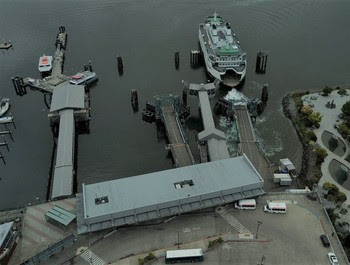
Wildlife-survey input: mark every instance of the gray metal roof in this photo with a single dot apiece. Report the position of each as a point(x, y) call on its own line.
point(63, 175)
point(154, 195)
point(4, 229)
point(60, 215)
point(67, 96)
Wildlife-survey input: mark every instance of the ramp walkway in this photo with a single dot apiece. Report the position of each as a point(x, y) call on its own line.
point(179, 148)
point(249, 144)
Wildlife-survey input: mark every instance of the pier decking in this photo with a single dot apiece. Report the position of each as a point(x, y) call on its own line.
point(179, 148)
point(70, 104)
point(249, 145)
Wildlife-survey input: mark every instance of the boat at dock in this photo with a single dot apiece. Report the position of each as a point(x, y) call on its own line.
point(223, 56)
point(4, 106)
point(6, 120)
point(84, 78)
point(45, 65)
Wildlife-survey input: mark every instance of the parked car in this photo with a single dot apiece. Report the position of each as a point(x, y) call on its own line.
point(333, 259)
point(325, 241)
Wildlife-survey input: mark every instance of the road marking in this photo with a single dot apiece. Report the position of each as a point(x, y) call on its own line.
point(91, 258)
point(233, 221)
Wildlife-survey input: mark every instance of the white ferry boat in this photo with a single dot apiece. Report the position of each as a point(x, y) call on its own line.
point(223, 55)
point(45, 65)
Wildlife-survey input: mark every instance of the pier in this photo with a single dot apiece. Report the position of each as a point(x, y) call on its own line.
point(212, 137)
point(69, 104)
point(249, 145)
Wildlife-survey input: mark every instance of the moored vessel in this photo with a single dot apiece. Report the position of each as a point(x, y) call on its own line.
point(223, 56)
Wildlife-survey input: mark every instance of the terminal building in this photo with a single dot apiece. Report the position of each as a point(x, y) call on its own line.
point(166, 193)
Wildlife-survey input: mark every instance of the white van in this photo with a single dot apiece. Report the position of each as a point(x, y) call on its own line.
point(275, 207)
point(246, 204)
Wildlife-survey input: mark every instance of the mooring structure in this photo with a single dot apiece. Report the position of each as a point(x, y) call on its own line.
point(68, 100)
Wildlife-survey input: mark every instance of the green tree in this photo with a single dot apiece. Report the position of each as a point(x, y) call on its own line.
point(315, 118)
point(342, 91)
point(311, 136)
point(326, 91)
point(346, 108)
point(321, 154)
point(344, 130)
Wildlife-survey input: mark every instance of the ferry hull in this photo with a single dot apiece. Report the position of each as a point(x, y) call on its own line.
point(230, 77)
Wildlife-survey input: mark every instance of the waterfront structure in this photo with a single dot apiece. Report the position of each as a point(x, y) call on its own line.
point(214, 139)
point(223, 56)
point(166, 193)
point(8, 242)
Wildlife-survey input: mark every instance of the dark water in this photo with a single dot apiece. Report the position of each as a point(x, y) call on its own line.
point(308, 45)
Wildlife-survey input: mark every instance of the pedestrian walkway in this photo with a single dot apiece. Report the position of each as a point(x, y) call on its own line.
point(223, 212)
point(91, 258)
point(329, 119)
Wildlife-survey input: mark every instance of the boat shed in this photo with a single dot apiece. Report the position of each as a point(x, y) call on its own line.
point(166, 193)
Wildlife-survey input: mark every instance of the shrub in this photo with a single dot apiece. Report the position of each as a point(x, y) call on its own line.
point(149, 257)
point(326, 91)
point(342, 91)
point(346, 108)
point(315, 118)
point(321, 154)
point(311, 136)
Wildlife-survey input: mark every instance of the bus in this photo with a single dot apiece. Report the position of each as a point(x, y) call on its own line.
point(274, 207)
point(183, 255)
point(246, 204)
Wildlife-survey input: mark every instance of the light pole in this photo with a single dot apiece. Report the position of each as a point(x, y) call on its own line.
point(257, 229)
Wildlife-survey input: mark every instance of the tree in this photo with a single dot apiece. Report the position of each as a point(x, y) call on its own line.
point(342, 91)
point(306, 110)
point(321, 154)
point(311, 136)
point(315, 118)
point(344, 130)
point(326, 91)
point(346, 108)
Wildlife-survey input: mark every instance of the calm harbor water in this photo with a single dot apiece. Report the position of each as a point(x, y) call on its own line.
point(308, 46)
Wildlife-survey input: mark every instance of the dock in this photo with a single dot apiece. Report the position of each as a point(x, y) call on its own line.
point(249, 144)
point(179, 148)
point(213, 140)
point(69, 106)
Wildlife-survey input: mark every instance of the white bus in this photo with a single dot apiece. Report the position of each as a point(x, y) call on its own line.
point(246, 204)
point(183, 255)
point(275, 207)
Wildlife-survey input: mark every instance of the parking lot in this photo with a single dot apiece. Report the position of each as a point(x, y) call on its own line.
point(291, 238)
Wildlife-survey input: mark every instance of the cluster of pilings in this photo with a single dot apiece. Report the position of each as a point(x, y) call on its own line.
point(149, 113)
point(6, 122)
point(195, 58)
point(120, 65)
point(88, 67)
point(19, 85)
point(261, 61)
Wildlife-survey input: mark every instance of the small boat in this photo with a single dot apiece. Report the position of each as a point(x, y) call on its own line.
point(84, 78)
point(6, 120)
point(45, 65)
point(4, 106)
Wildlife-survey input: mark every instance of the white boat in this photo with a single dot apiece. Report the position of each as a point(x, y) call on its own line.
point(224, 58)
point(83, 78)
point(6, 120)
point(4, 106)
point(45, 64)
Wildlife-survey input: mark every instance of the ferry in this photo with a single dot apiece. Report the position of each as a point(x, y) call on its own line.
point(223, 56)
point(4, 106)
point(45, 65)
point(83, 78)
